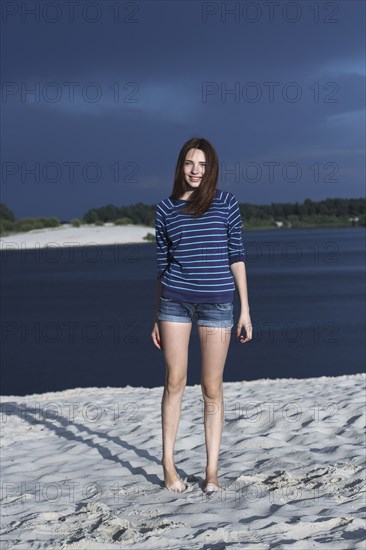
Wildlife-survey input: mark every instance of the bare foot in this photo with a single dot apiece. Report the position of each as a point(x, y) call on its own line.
point(172, 481)
point(211, 483)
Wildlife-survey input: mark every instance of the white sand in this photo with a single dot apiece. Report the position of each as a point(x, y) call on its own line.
point(66, 235)
point(81, 469)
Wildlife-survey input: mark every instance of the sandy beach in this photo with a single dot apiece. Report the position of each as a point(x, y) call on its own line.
point(81, 469)
point(67, 235)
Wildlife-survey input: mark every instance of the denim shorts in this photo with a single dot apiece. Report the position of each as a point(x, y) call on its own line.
point(207, 315)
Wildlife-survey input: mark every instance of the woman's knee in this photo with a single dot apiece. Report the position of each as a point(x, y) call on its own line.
point(175, 385)
point(212, 390)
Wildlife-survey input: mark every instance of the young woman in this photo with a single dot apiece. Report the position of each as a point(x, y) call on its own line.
point(200, 259)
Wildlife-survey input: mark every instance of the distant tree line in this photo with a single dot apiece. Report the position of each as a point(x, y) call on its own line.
point(325, 212)
point(328, 212)
point(137, 214)
point(9, 224)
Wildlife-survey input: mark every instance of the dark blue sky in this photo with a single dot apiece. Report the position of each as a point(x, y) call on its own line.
point(294, 129)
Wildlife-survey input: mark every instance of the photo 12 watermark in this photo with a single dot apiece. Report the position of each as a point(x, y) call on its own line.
point(71, 12)
point(266, 11)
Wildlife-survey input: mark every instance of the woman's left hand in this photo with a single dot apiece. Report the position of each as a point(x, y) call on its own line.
point(246, 323)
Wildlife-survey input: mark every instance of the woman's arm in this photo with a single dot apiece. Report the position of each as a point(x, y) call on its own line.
point(158, 294)
point(238, 270)
point(162, 251)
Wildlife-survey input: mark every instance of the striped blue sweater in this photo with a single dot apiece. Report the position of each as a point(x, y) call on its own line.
point(194, 254)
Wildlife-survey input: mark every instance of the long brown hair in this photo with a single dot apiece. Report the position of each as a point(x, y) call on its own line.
point(201, 198)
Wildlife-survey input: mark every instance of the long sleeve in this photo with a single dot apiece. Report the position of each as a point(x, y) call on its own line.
point(236, 249)
point(162, 248)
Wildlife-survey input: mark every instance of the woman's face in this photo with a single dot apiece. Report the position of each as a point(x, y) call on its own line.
point(194, 167)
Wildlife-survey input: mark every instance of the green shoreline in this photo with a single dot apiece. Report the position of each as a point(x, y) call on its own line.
point(150, 236)
point(327, 213)
point(304, 226)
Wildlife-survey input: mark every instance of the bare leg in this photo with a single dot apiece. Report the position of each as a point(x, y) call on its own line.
point(214, 347)
point(175, 341)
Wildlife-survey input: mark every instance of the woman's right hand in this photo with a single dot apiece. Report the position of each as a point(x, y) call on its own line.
point(155, 335)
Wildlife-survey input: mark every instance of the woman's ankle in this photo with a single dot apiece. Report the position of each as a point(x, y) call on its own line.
point(168, 462)
point(212, 469)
